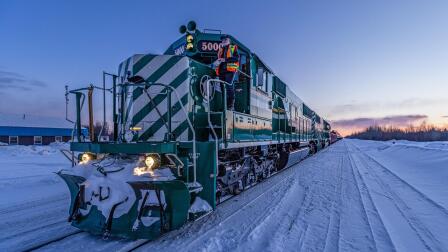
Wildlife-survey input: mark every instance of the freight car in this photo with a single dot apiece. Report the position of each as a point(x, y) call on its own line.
point(334, 136)
point(177, 150)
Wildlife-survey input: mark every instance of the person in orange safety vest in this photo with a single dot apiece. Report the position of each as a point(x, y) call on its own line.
point(228, 59)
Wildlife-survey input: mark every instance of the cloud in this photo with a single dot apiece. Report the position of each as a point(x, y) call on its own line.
point(348, 126)
point(354, 108)
point(399, 120)
point(37, 83)
point(12, 80)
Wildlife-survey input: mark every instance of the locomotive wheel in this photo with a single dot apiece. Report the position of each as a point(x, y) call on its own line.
point(244, 182)
point(265, 173)
point(313, 149)
point(235, 188)
point(218, 197)
point(218, 192)
point(249, 179)
point(252, 177)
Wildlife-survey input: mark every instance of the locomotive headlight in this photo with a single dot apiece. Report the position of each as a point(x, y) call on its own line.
point(149, 162)
point(152, 161)
point(190, 40)
point(85, 158)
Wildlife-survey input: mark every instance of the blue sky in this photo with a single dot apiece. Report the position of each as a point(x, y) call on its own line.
point(347, 59)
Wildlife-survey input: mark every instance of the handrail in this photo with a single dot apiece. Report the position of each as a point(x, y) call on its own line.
point(211, 126)
point(81, 104)
point(208, 114)
point(90, 89)
point(224, 100)
point(66, 104)
point(245, 74)
point(149, 85)
point(104, 101)
point(215, 136)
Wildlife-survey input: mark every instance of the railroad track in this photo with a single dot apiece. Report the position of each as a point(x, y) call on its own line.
point(56, 239)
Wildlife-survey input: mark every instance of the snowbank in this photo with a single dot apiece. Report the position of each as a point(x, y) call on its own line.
point(11, 151)
point(424, 165)
point(27, 172)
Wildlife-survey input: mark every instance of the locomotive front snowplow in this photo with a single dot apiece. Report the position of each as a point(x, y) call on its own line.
point(121, 204)
point(136, 197)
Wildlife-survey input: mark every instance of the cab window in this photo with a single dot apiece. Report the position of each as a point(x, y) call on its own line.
point(262, 79)
point(244, 66)
point(269, 82)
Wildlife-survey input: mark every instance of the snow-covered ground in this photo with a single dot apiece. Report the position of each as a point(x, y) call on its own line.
point(353, 196)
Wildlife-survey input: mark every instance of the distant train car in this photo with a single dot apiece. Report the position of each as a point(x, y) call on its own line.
point(177, 150)
point(334, 136)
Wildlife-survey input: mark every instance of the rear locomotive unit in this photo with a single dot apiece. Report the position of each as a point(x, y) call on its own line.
point(177, 150)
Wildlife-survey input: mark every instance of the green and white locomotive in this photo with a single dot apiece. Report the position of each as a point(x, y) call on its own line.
point(177, 151)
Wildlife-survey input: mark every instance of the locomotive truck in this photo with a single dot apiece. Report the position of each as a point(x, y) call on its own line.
point(176, 150)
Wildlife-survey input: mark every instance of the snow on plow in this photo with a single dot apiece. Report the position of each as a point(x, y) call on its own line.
point(116, 197)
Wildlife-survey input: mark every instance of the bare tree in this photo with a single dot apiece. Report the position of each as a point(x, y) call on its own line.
point(424, 132)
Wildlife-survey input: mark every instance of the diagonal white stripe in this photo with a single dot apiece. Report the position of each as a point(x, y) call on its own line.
point(136, 58)
point(166, 78)
point(176, 120)
point(153, 116)
point(184, 135)
point(152, 66)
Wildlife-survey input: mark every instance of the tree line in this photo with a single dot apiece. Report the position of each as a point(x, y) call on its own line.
point(412, 133)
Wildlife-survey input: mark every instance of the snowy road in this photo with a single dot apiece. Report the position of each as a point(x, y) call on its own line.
point(352, 196)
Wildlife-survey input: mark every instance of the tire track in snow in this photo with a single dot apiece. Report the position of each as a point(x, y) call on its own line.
point(411, 221)
point(264, 233)
point(363, 207)
point(247, 223)
point(380, 234)
point(307, 230)
point(333, 229)
point(299, 221)
point(404, 182)
point(356, 231)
